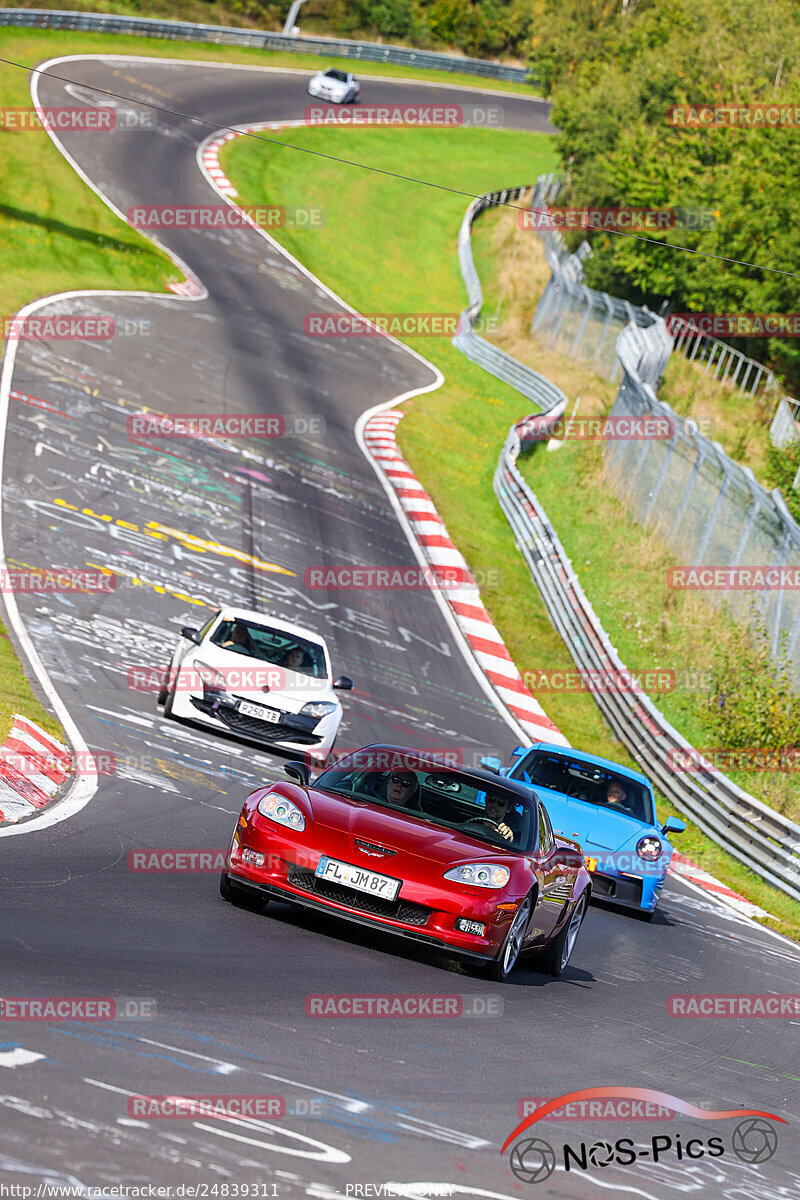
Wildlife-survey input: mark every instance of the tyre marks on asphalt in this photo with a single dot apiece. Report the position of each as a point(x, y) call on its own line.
point(180, 534)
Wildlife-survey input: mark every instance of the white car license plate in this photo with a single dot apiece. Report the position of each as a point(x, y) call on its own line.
point(261, 714)
point(356, 877)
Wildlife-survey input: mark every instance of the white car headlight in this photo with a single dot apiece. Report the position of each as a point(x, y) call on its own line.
point(485, 875)
point(318, 708)
point(213, 680)
point(280, 810)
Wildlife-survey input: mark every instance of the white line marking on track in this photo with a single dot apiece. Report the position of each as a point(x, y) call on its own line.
point(19, 1057)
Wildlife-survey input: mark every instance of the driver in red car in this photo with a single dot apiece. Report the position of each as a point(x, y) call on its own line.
point(497, 808)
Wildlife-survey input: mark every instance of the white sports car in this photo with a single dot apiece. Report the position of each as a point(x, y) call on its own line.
point(340, 87)
point(257, 678)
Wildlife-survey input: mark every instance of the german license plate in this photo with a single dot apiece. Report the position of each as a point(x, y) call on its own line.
point(259, 712)
point(356, 877)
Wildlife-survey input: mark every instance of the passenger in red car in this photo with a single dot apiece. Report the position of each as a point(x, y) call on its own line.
point(402, 787)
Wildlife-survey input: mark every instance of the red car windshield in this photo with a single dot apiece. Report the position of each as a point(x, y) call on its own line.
point(443, 796)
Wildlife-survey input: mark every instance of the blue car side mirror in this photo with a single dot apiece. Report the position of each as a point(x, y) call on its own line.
point(673, 825)
point(518, 750)
point(491, 763)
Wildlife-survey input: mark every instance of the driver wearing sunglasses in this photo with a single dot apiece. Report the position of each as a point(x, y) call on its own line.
point(497, 808)
point(402, 788)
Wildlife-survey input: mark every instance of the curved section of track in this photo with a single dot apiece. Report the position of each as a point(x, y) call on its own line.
point(368, 1101)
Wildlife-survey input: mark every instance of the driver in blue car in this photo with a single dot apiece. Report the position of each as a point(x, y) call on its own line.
point(616, 796)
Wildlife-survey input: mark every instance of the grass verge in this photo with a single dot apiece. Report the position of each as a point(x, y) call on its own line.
point(452, 437)
point(514, 273)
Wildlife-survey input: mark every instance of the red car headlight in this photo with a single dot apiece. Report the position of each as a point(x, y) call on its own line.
point(282, 811)
point(485, 875)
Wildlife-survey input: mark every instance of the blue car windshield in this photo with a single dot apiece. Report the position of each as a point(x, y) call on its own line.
point(588, 782)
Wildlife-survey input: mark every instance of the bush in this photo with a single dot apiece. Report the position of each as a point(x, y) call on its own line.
point(751, 702)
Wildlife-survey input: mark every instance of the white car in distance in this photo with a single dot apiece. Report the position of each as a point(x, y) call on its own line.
point(339, 87)
point(258, 678)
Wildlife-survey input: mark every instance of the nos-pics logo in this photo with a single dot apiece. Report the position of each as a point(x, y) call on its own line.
point(533, 1159)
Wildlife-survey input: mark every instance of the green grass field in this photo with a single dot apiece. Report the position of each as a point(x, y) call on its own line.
point(452, 437)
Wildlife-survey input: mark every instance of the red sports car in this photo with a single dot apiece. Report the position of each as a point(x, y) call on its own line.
point(461, 859)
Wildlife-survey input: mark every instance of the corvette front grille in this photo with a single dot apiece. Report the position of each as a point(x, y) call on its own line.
point(396, 910)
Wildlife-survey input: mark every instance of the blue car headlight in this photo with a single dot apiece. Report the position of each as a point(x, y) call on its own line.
point(649, 848)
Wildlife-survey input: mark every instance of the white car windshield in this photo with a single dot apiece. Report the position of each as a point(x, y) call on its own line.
point(338, 75)
point(286, 650)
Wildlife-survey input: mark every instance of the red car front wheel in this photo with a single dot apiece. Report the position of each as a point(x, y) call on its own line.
point(503, 965)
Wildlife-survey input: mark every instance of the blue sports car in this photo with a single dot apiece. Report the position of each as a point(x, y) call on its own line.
point(610, 810)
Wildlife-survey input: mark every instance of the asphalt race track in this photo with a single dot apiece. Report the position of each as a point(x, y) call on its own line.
point(368, 1102)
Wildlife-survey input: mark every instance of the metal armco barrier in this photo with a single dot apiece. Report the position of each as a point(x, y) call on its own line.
point(541, 391)
point(707, 508)
point(758, 837)
point(764, 841)
point(43, 18)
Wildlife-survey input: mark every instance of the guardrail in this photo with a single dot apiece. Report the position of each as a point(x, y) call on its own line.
point(45, 18)
point(494, 360)
point(765, 841)
point(762, 839)
point(708, 509)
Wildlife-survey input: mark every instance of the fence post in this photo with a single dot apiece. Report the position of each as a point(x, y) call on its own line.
point(662, 470)
point(689, 488)
point(783, 553)
point(579, 334)
point(725, 483)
